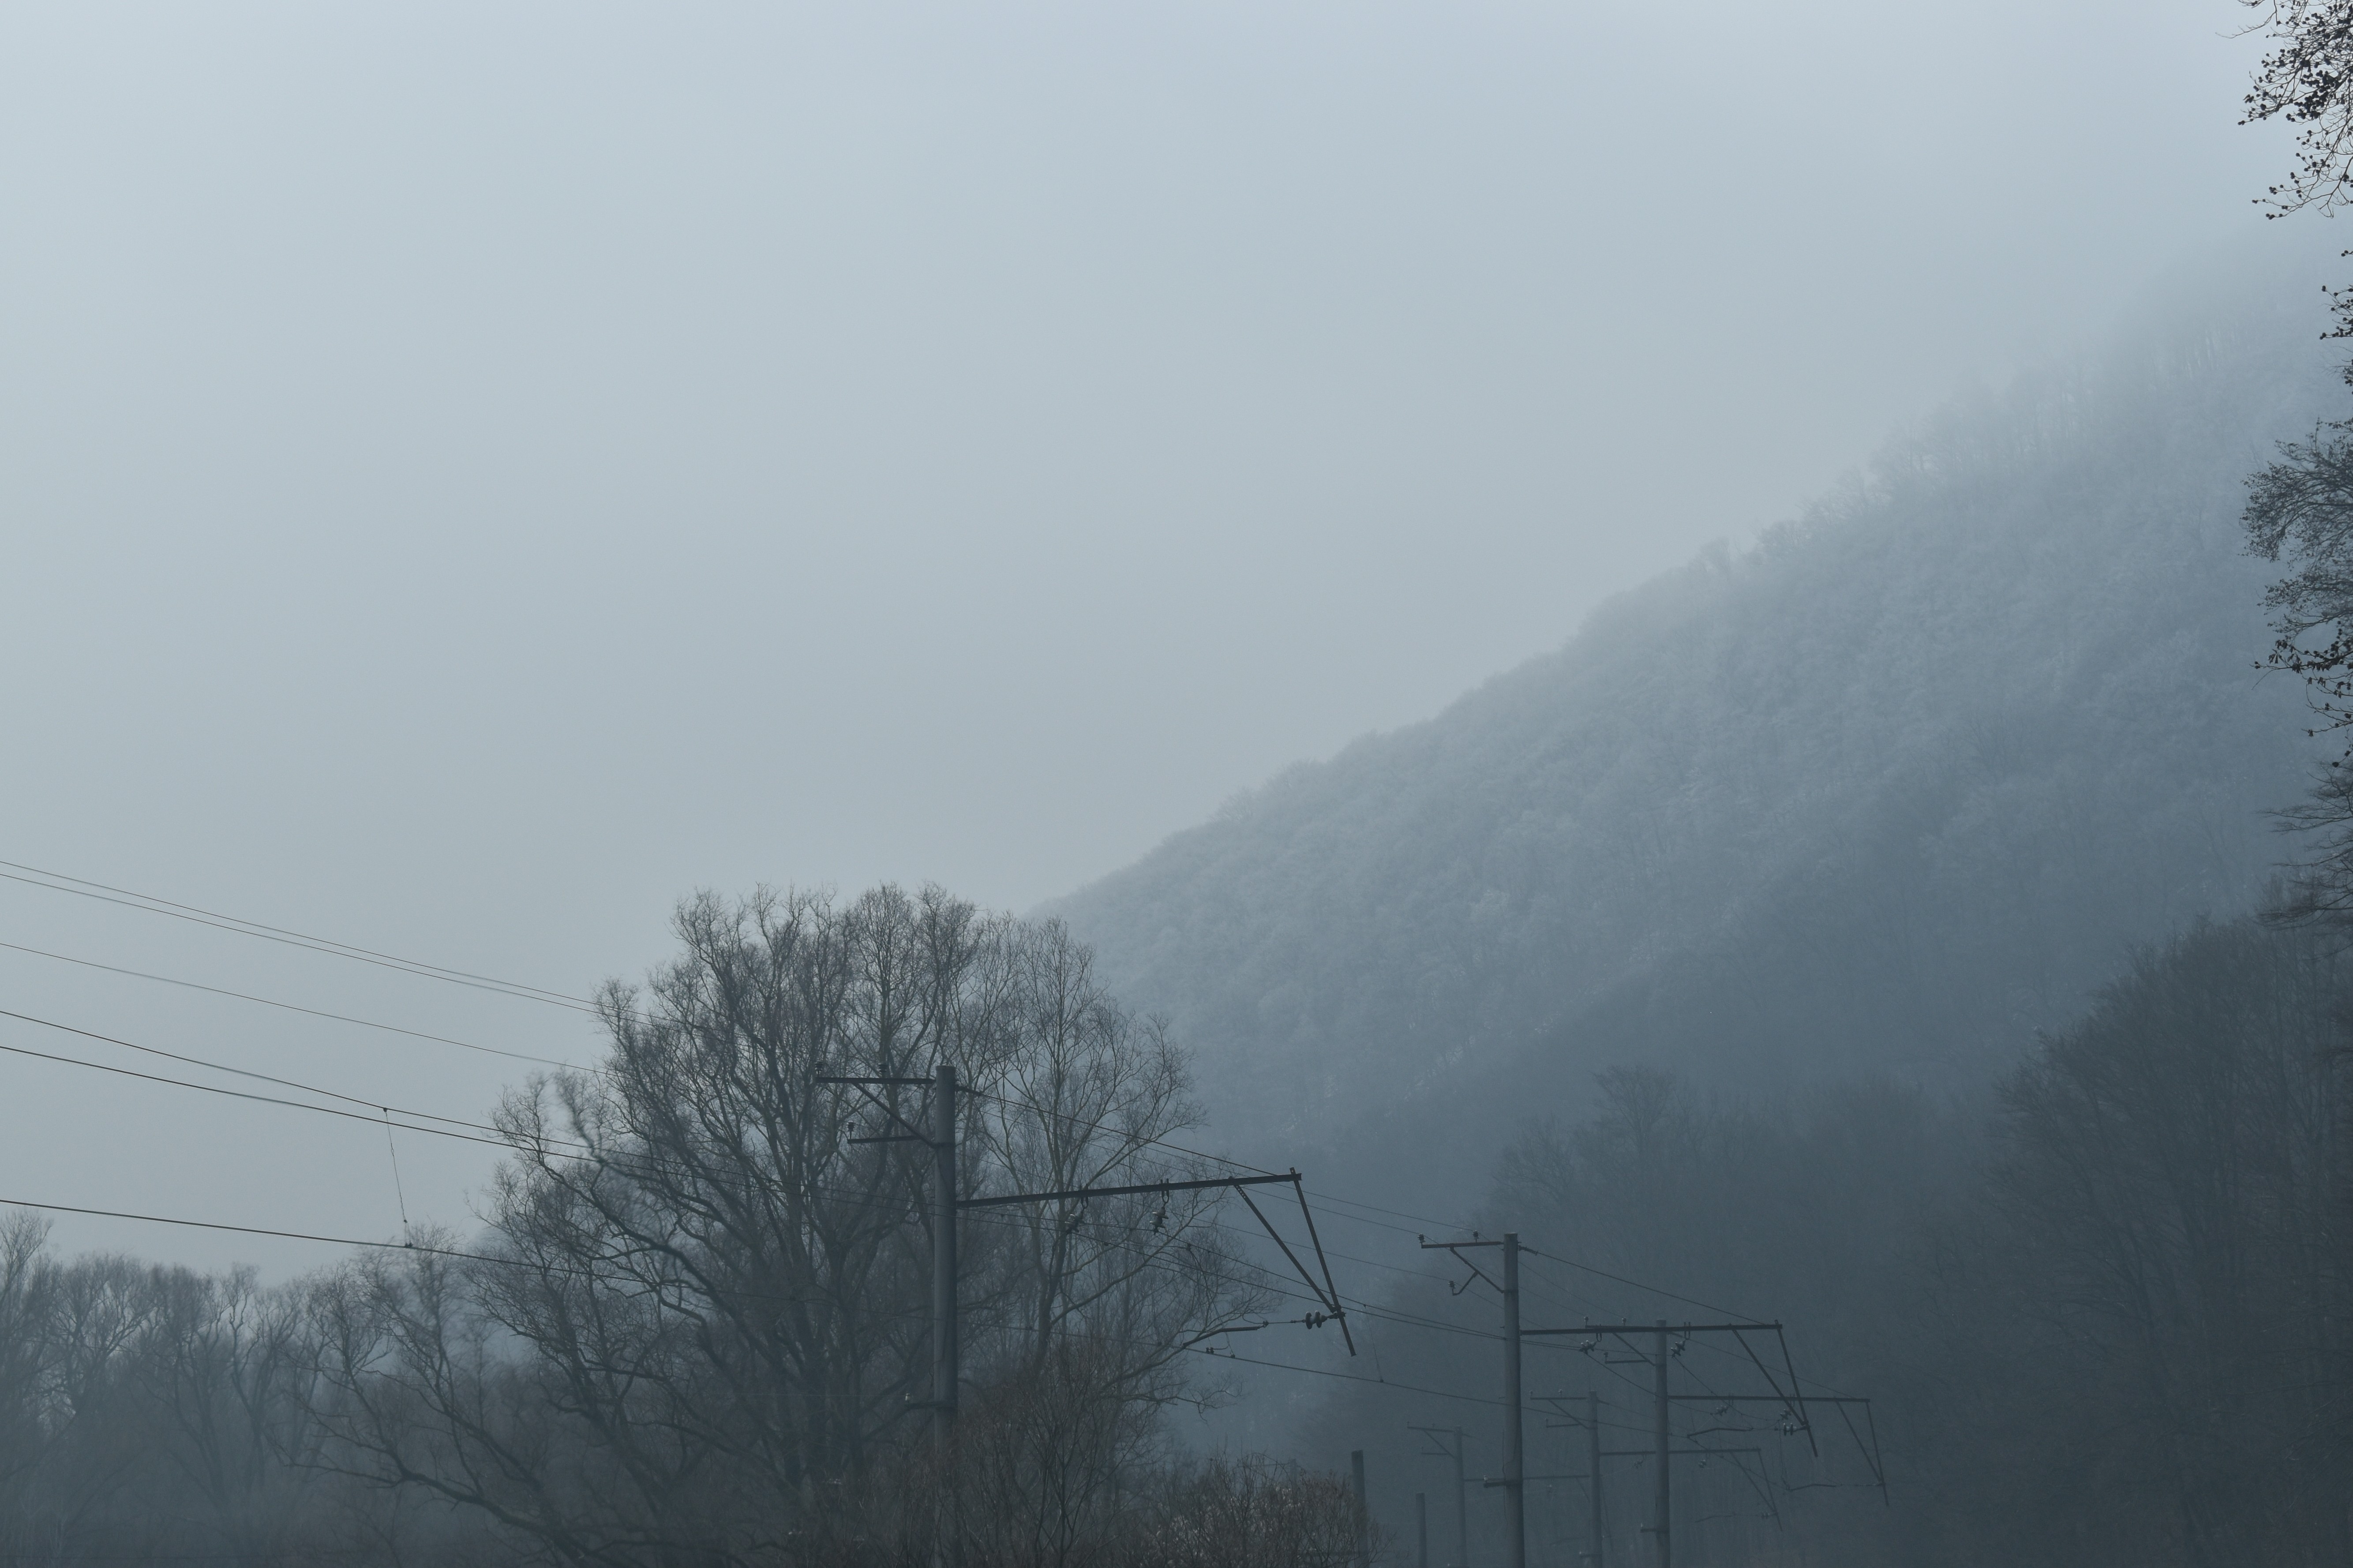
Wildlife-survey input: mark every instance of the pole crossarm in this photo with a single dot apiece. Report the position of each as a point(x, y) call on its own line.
point(1789, 1400)
point(1768, 1399)
point(1461, 1505)
point(1327, 1294)
point(1629, 1454)
point(1122, 1192)
point(1456, 1247)
point(1671, 1328)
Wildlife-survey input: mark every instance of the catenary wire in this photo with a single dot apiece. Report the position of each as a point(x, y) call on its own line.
point(1369, 1308)
point(152, 903)
point(216, 1067)
point(155, 904)
point(497, 1139)
point(292, 1007)
point(503, 1143)
point(1359, 1305)
point(128, 898)
point(320, 944)
point(238, 925)
point(1365, 1307)
point(544, 1267)
point(1637, 1284)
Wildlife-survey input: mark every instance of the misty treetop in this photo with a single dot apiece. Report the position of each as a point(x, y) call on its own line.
point(1890, 789)
point(2099, 1312)
point(2300, 511)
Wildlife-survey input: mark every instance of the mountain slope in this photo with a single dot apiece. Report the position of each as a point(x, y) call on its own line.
point(1886, 791)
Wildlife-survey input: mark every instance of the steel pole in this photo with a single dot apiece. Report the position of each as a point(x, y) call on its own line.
point(1659, 1509)
point(1593, 1470)
point(1516, 1528)
point(945, 1370)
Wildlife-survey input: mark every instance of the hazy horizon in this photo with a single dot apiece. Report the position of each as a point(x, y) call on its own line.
point(476, 477)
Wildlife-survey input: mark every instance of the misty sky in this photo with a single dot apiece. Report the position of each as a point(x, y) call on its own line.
point(476, 473)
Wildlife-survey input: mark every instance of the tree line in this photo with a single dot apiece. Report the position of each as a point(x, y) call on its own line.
point(2100, 1309)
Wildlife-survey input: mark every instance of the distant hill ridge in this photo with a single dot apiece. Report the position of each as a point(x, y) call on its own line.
point(1884, 792)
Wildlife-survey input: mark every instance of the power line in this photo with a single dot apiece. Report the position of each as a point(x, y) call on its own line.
point(229, 1093)
point(155, 904)
point(1243, 1165)
point(591, 1274)
point(505, 1143)
point(1637, 1284)
point(500, 1139)
point(1376, 1313)
point(216, 1067)
point(152, 905)
point(291, 1007)
point(544, 1147)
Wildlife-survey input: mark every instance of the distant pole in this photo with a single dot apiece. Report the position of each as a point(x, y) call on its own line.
point(1514, 1469)
point(1364, 1557)
point(945, 1376)
point(1593, 1469)
point(1461, 1506)
point(1659, 1522)
point(1421, 1530)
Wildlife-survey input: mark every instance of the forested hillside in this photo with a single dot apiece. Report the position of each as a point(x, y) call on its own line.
point(1888, 791)
point(2096, 1313)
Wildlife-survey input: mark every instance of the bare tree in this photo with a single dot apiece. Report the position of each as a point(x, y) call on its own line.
point(2306, 80)
point(2300, 509)
point(221, 1360)
point(1088, 1095)
point(698, 1323)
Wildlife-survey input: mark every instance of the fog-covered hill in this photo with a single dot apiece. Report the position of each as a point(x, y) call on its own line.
point(1888, 791)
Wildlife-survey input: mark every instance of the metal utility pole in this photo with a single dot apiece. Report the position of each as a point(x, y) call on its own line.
point(1515, 1529)
point(943, 1260)
point(1660, 1331)
point(1659, 1510)
point(1515, 1465)
point(1593, 1472)
point(940, 1136)
point(1462, 1488)
point(1592, 1422)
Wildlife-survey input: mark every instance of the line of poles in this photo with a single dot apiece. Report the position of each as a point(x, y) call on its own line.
point(1661, 1452)
point(940, 1134)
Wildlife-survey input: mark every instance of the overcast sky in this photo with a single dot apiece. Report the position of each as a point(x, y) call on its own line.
point(474, 473)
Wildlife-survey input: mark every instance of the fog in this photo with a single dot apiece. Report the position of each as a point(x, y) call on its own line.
point(1601, 618)
point(475, 475)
